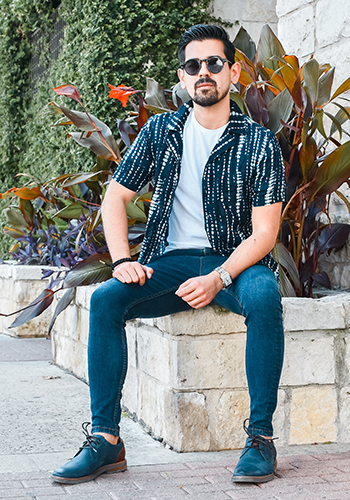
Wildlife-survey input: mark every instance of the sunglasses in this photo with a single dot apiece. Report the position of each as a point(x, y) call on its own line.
point(214, 65)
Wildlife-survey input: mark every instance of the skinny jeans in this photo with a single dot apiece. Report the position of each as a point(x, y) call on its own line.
point(254, 294)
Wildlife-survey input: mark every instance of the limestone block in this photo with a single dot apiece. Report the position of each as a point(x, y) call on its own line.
point(71, 355)
point(332, 24)
point(296, 31)
point(201, 322)
point(283, 7)
point(67, 322)
point(193, 423)
point(29, 272)
point(338, 55)
point(6, 271)
point(151, 405)
point(347, 355)
point(280, 421)
point(344, 415)
point(130, 399)
point(209, 363)
point(89, 290)
point(309, 359)
point(80, 297)
point(37, 327)
point(313, 415)
point(26, 291)
point(262, 10)
point(227, 411)
point(153, 353)
point(229, 11)
point(302, 314)
point(131, 333)
point(83, 325)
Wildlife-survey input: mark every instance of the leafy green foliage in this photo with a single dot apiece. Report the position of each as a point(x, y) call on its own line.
point(115, 41)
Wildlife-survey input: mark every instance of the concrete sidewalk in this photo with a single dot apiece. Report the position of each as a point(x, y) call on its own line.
point(42, 408)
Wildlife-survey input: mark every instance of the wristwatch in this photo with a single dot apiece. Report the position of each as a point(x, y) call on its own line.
point(225, 276)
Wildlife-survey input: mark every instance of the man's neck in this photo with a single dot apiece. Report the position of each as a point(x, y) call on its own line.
point(213, 117)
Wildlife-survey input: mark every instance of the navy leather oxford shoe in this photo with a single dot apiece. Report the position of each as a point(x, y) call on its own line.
point(95, 457)
point(257, 462)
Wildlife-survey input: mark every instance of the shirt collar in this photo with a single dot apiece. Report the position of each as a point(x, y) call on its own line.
point(237, 123)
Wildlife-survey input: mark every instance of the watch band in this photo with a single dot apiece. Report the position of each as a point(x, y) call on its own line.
point(225, 276)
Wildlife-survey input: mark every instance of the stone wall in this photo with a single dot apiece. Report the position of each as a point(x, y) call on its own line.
point(251, 14)
point(318, 27)
point(19, 286)
point(186, 379)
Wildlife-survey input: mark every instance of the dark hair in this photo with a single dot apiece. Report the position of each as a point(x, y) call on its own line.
point(201, 32)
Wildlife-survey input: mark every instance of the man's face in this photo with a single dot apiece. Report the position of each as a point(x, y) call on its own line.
point(206, 88)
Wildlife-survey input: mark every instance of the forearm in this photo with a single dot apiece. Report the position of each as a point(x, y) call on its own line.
point(115, 227)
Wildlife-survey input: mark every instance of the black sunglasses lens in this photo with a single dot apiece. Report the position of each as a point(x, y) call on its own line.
point(215, 64)
point(192, 66)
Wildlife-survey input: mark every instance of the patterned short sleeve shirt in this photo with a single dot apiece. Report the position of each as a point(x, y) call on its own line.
point(244, 170)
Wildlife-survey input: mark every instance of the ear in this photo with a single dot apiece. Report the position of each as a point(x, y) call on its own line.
point(181, 75)
point(235, 72)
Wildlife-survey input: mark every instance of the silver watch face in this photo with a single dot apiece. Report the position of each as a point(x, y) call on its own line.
point(225, 276)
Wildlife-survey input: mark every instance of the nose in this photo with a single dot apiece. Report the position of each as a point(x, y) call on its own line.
point(203, 69)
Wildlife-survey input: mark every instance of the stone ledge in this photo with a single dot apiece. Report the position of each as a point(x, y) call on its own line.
point(186, 381)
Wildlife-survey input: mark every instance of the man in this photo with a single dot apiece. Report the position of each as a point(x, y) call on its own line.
point(218, 188)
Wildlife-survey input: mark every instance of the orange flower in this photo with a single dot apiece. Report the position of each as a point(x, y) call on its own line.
point(121, 93)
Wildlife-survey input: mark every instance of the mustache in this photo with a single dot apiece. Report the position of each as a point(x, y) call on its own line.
point(204, 80)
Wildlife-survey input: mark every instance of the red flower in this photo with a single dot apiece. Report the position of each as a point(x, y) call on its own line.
point(121, 93)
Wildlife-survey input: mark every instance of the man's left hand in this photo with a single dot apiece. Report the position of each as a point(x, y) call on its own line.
point(200, 291)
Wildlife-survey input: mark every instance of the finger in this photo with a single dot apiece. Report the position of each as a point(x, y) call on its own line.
point(129, 272)
point(186, 288)
point(148, 271)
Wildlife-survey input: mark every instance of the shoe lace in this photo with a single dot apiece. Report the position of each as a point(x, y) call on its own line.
point(90, 439)
point(256, 439)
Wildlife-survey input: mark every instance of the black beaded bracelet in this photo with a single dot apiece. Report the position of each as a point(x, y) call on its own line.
point(120, 261)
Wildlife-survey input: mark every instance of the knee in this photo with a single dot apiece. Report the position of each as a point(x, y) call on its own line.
point(263, 293)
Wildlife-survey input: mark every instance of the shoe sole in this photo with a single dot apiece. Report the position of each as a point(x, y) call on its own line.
point(255, 479)
point(109, 469)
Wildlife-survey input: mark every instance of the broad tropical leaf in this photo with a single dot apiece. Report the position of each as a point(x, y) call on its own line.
point(268, 46)
point(245, 43)
point(334, 170)
point(332, 236)
point(155, 96)
point(63, 303)
point(96, 144)
point(69, 91)
point(344, 87)
point(15, 217)
point(311, 80)
point(285, 259)
point(34, 309)
point(325, 87)
point(88, 271)
point(127, 133)
point(72, 211)
point(279, 109)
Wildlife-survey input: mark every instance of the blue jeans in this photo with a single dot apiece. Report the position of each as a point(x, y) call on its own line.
point(253, 294)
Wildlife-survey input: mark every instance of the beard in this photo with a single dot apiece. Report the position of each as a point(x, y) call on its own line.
point(208, 97)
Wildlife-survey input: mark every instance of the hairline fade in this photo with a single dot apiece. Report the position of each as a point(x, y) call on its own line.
point(201, 32)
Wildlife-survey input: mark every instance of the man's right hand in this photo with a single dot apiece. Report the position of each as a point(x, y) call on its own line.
point(132, 272)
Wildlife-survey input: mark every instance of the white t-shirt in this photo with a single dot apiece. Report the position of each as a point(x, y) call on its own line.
point(186, 222)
